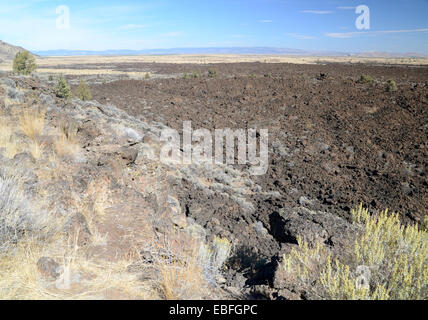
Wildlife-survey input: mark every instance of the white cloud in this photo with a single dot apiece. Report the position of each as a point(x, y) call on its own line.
point(265, 21)
point(317, 11)
point(346, 8)
point(346, 35)
point(300, 36)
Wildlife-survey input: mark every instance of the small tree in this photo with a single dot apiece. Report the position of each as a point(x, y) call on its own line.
point(62, 89)
point(147, 76)
point(24, 63)
point(83, 92)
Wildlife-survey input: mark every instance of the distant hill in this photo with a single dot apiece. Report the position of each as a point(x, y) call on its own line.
point(229, 50)
point(8, 51)
point(211, 50)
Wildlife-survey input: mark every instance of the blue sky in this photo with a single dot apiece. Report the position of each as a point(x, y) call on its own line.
point(395, 25)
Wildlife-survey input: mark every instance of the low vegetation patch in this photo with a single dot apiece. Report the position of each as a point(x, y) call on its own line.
point(391, 86)
point(66, 141)
point(31, 122)
point(365, 79)
point(19, 216)
point(388, 261)
point(7, 139)
point(212, 73)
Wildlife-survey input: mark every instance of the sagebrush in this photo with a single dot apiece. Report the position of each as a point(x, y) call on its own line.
point(388, 261)
point(391, 86)
point(365, 79)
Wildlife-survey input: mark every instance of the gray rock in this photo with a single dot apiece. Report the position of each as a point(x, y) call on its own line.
point(128, 154)
point(133, 135)
point(175, 212)
point(48, 267)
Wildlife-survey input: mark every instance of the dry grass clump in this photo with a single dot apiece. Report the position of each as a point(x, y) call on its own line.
point(388, 261)
point(36, 149)
point(182, 279)
point(7, 139)
point(19, 215)
point(32, 122)
point(187, 266)
point(98, 192)
point(19, 276)
point(80, 278)
point(66, 142)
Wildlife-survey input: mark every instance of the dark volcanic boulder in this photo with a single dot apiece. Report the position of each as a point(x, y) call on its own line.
point(313, 226)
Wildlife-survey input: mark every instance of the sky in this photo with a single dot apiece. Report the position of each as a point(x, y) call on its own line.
point(330, 25)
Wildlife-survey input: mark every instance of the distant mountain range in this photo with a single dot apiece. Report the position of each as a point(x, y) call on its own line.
point(229, 50)
point(8, 51)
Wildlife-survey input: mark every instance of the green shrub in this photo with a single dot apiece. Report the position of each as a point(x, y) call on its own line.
point(147, 76)
point(83, 92)
point(195, 75)
point(426, 83)
point(365, 79)
point(62, 89)
point(50, 78)
point(388, 261)
point(24, 63)
point(391, 86)
point(212, 73)
point(252, 76)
